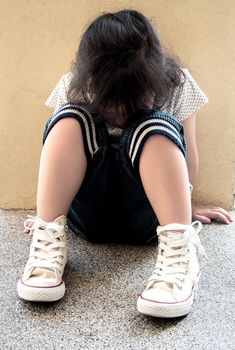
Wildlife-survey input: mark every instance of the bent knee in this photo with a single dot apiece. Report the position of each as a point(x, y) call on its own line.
point(66, 130)
point(66, 134)
point(72, 121)
point(68, 126)
point(157, 138)
point(159, 132)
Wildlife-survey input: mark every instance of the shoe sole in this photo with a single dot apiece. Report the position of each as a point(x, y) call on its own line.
point(164, 310)
point(41, 294)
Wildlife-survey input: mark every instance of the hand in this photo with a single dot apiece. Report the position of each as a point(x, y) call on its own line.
point(29, 229)
point(205, 213)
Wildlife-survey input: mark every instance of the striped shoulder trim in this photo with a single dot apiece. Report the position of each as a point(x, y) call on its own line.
point(158, 124)
point(81, 113)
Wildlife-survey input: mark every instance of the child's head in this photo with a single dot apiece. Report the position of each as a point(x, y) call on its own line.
point(121, 67)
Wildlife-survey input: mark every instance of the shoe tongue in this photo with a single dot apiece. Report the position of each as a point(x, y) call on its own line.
point(43, 237)
point(176, 235)
point(60, 220)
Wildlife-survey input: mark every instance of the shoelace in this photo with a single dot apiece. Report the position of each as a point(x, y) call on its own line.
point(172, 260)
point(45, 250)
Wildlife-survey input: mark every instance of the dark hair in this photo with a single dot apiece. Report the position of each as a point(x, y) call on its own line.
point(121, 64)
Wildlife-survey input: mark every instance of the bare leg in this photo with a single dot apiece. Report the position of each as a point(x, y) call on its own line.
point(62, 168)
point(164, 175)
point(171, 287)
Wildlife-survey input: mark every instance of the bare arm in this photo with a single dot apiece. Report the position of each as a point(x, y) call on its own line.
point(192, 158)
point(203, 213)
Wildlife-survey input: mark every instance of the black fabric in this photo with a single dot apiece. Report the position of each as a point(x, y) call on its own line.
point(111, 204)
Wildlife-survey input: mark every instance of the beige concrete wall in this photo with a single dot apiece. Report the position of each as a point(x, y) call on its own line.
point(38, 42)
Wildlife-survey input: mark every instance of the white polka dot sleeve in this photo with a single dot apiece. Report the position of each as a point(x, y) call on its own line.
point(58, 95)
point(182, 105)
point(191, 99)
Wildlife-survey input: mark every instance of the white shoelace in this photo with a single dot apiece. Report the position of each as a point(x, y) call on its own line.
point(45, 248)
point(172, 261)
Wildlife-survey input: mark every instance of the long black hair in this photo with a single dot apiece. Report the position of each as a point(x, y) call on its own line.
point(121, 67)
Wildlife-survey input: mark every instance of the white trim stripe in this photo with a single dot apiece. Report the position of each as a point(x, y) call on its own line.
point(146, 122)
point(94, 149)
point(92, 124)
point(154, 127)
point(93, 128)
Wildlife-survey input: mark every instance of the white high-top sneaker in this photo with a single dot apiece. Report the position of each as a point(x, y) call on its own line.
point(170, 289)
point(42, 277)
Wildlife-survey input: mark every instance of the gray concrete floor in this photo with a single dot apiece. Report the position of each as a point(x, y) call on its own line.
point(99, 307)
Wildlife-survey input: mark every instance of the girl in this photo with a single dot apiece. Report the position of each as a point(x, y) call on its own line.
point(114, 164)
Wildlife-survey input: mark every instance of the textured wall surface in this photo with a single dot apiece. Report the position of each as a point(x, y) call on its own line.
point(38, 43)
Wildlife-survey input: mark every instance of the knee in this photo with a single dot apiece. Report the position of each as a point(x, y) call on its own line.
point(66, 133)
point(67, 128)
point(157, 140)
point(74, 124)
point(161, 131)
point(159, 146)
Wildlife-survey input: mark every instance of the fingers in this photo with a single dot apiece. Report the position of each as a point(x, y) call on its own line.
point(203, 219)
point(224, 212)
point(207, 212)
point(221, 215)
point(28, 230)
point(217, 216)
